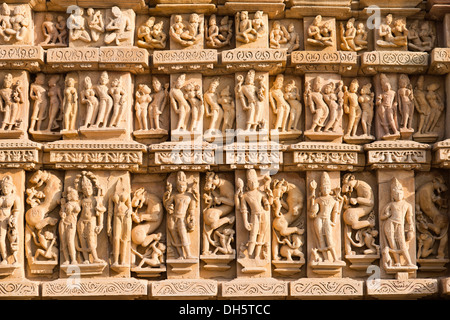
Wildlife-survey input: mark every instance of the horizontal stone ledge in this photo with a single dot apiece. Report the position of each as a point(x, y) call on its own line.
point(440, 61)
point(404, 289)
point(101, 287)
point(184, 60)
point(18, 288)
point(342, 62)
point(22, 57)
point(183, 288)
point(394, 61)
point(324, 288)
point(268, 288)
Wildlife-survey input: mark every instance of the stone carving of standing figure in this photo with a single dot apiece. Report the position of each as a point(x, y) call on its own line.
point(279, 105)
point(324, 210)
point(158, 103)
point(181, 208)
point(10, 207)
point(194, 96)
point(397, 227)
point(331, 96)
point(56, 101)
point(436, 106)
point(405, 102)
point(118, 27)
point(88, 97)
point(387, 110)
point(227, 102)
point(214, 111)
point(143, 98)
point(292, 96)
point(315, 101)
point(11, 98)
point(352, 108)
point(49, 30)
point(70, 105)
point(254, 205)
point(247, 94)
point(90, 223)
point(422, 106)
point(118, 226)
point(179, 103)
point(105, 100)
point(366, 102)
point(38, 94)
point(70, 208)
point(119, 102)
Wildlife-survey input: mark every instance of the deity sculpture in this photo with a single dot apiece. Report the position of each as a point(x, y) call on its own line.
point(118, 27)
point(421, 39)
point(70, 105)
point(397, 228)
point(143, 99)
point(218, 215)
point(387, 110)
point(251, 97)
point(151, 35)
point(90, 222)
point(10, 209)
point(106, 102)
point(181, 208)
point(314, 99)
point(320, 34)
point(353, 39)
point(392, 34)
point(158, 103)
point(432, 220)
point(187, 35)
point(11, 99)
point(118, 224)
point(324, 211)
point(254, 206)
point(249, 30)
point(218, 36)
point(356, 206)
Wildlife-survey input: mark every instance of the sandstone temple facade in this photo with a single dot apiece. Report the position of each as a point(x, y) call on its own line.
point(221, 149)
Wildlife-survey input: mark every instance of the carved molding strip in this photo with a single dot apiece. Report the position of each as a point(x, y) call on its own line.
point(308, 288)
point(95, 287)
point(254, 287)
point(19, 288)
point(394, 61)
point(184, 288)
point(411, 287)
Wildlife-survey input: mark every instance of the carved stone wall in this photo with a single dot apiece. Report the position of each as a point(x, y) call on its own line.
point(224, 149)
